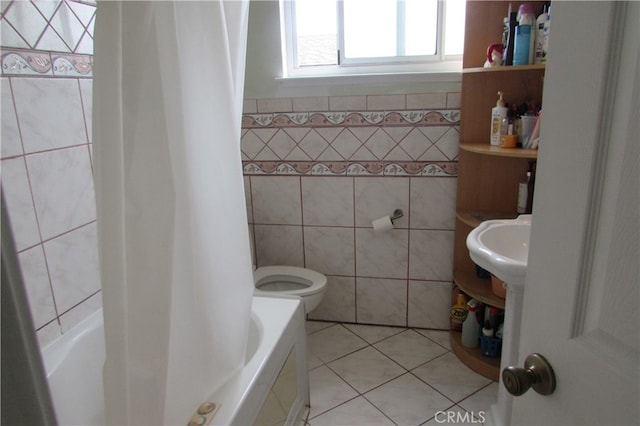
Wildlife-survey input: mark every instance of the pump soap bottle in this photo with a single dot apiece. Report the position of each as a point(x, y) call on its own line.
point(498, 114)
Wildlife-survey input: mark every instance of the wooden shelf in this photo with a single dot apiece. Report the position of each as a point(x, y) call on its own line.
point(515, 68)
point(474, 218)
point(478, 288)
point(486, 149)
point(473, 358)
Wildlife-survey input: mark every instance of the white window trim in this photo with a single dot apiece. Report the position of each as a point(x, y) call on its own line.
point(432, 68)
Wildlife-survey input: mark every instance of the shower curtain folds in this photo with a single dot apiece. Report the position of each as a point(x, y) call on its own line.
point(175, 266)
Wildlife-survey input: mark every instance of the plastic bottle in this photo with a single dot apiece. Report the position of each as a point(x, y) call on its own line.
point(471, 327)
point(539, 39)
point(458, 313)
point(498, 114)
point(523, 194)
point(545, 38)
point(525, 35)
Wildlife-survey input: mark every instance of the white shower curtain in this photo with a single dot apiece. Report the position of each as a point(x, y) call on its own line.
point(173, 235)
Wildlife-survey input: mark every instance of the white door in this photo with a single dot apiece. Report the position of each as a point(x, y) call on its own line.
point(581, 294)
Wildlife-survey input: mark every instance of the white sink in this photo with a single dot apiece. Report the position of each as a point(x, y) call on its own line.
point(502, 248)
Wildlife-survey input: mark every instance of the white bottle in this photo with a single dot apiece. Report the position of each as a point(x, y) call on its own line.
point(545, 37)
point(471, 327)
point(498, 114)
point(539, 35)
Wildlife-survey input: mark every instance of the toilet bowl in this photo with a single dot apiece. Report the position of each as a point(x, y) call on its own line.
point(291, 280)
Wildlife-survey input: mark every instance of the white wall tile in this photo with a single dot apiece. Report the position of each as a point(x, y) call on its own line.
point(385, 102)
point(49, 112)
point(347, 103)
point(454, 100)
point(276, 200)
point(24, 17)
point(427, 101)
point(327, 201)
point(80, 312)
point(381, 254)
point(381, 301)
point(431, 256)
point(63, 190)
point(37, 285)
point(274, 105)
point(86, 91)
point(10, 144)
point(73, 265)
point(433, 203)
point(278, 245)
point(429, 304)
point(313, 103)
point(330, 250)
point(19, 203)
point(339, 302)
point(377, 197)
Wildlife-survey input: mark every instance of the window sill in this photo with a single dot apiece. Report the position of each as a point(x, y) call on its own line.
point(364, 79)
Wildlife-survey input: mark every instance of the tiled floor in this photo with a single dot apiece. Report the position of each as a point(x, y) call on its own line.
point(372, 375)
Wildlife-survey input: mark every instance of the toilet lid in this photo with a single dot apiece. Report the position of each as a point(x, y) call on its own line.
point(290, 279)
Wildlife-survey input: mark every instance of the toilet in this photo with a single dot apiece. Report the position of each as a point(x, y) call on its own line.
point(293, 281)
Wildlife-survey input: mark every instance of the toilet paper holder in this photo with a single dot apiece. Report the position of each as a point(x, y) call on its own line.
point(397, 214)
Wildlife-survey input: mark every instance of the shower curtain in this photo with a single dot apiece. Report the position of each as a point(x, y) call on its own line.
point(173, 235)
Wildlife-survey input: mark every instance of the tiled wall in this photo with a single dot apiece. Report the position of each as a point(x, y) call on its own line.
point(47, 174)
point(319, 170)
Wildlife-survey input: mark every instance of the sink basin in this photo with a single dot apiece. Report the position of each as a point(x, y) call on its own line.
point(502, 248)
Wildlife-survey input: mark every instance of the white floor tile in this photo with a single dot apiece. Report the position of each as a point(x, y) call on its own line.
point(374, 333)
point(313, 326)
point(407, 400)
point(327, 390)
point(451, 377)
point(366, 369)
point(482, 400)
point(410, 349)
point(355, 412)
point(333, 342)
point(441, 337)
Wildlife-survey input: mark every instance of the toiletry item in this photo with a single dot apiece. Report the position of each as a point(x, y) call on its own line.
point(545, 38)
point(500, 331)
point(527, 123)
point(508, 141)
point(458, 313)
point(471, 327)
point(498, 114)
point(531, 179)
point(527, 16)
point(539, 36)
point(523, 194)
point(508, 36)
point(522, 45)
point(487, 331)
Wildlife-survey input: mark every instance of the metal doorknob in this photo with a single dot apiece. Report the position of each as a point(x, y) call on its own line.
point(536, 374)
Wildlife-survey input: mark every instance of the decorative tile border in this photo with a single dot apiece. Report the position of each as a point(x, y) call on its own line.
point(350, 168)
point(30, 63)
point(368, 118)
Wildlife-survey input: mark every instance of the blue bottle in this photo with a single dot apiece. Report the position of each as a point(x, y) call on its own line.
point(522, 45)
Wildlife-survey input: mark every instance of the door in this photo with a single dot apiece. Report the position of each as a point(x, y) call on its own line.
point(581, 294)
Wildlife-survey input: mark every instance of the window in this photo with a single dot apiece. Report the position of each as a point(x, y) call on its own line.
point(332, 37)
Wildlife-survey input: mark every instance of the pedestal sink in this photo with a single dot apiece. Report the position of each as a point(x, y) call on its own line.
point(502, 248)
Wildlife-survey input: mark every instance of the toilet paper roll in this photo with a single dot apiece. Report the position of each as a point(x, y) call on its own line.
point(382, 224)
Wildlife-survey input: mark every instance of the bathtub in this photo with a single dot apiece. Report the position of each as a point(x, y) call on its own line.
point(271, 388)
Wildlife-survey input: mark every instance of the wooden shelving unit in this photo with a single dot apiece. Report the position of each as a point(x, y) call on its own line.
point(488, 176)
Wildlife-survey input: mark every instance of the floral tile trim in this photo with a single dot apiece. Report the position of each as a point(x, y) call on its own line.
point(368, 118)
point(348, 168)
point(41, 63)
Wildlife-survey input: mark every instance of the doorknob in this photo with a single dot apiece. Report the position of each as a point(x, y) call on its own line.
point(537, 374)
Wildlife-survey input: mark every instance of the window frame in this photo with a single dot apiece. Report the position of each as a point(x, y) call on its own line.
point(439, 63)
